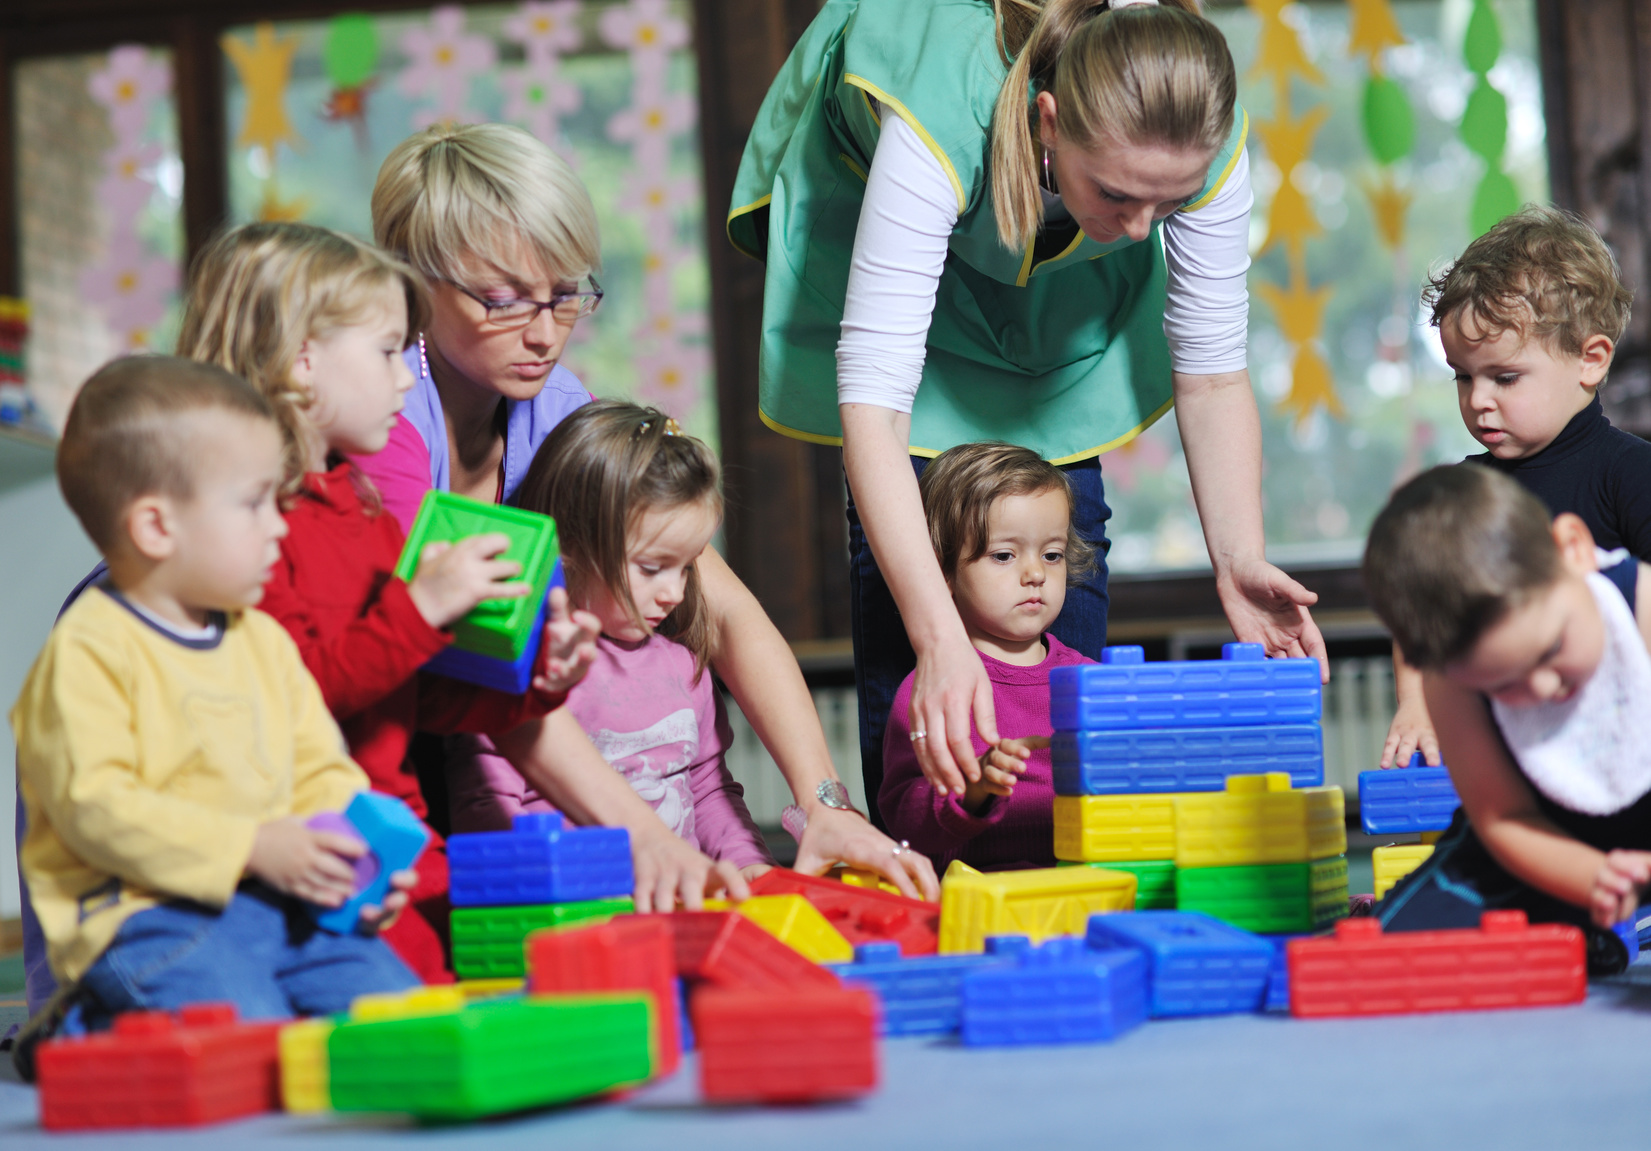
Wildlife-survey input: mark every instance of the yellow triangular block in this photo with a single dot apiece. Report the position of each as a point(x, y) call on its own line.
point(798, 924)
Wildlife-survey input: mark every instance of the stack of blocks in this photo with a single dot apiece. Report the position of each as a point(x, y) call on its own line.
point(541, 873)
point(1203, 778)
point(495, 645)
point(1415, 800)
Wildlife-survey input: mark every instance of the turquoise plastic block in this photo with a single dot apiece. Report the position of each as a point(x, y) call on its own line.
point(395, 838)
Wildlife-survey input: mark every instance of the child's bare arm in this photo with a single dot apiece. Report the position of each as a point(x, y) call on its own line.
point(1412, 729)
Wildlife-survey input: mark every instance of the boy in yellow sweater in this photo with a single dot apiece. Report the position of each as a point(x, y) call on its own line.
point(170, 742)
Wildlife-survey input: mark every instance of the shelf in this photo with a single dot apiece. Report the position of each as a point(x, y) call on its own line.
point(25, 458)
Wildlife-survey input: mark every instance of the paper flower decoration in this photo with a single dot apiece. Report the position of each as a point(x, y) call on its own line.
point(128, 86)
point(644, 26)
point(442, 58)
point(132, 286)
point(546, 31)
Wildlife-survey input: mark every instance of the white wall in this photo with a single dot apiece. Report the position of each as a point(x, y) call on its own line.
point(43, 554)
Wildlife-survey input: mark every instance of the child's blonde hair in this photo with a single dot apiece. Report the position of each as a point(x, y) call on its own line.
point(597, 473)
point(258, 292)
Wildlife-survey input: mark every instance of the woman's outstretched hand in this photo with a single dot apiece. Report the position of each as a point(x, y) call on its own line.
point(950, 690)
point(1266, 606)
point(837, 836)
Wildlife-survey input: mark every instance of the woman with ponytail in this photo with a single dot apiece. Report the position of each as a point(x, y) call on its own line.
point(1021, 220)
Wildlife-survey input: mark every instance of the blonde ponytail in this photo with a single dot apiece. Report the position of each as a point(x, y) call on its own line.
point(1158, 74)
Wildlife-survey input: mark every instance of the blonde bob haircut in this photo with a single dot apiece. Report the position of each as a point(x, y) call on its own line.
point(454, 201)
point(1138, 74)
point(256, 293)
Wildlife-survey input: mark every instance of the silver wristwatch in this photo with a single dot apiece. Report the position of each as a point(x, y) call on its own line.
point(831, 792)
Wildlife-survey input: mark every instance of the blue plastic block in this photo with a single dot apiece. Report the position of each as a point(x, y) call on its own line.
point(1414, 798)
point(1278, 976)
point(1243, 687)
point(1061, 992)
point(1184, 758)
point(540, 860)
point(395, 838)
point(1628, 932)
point(1197, 965)
point(920, 996)
point(512, 678)
point(684, 1025)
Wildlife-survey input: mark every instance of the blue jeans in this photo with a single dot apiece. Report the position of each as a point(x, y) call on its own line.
point(262, 953)
point(883, 655)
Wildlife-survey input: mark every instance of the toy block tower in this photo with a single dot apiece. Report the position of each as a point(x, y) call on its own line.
point(1207, 766)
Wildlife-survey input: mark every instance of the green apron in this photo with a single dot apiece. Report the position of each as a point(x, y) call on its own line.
point(1065, 355)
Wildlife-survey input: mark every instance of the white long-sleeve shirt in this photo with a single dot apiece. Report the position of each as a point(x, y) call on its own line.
point(906, 221)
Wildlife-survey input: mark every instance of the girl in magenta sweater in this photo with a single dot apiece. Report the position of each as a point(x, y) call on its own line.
point(1000, 521)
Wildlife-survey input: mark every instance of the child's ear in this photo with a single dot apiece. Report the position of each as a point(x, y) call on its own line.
point(1597, 351)
point(149, 525)
point(1576, 543)
point(303, 366)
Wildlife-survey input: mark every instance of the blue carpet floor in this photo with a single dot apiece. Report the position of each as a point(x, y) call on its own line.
point(1546, 1080)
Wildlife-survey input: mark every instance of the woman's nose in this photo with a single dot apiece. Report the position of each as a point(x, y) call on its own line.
point(1137, 222)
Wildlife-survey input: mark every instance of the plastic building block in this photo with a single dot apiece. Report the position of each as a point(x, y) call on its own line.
point(157, 1070)
point(1154, 881)
point(1038, 903)
point(1259, 819)
point(395, 838)
point(1183, 758)
point(1268, 898)
point(1114, 828)
point(411, 1004)
point(860, 914)
point(1629, 934)
point(632, 953)
point(487, 941)
point(1196, 965)
point(729, 950)
point(684, 1025)
point(1278, 977)
point(493, 1057)
point(1414, 798)
point(511, 676)
point(795, 922)
point(474, 989)
point(540, 860)
point(1243, 687)
point(1395, 861)
point(785, 1044)
point(303, 1055)
point(1061, 992)
point(1504, 962)
point(859, 877)
point(500, 628)
point(920, 996)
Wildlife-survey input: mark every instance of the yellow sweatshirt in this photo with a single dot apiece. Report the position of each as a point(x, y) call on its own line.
point(147, 764)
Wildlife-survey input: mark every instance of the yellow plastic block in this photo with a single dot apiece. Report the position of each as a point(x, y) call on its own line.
point(855, 877)
point(407, 1004)
point(303, 1048)
point(1259, 819)
point(798, 924)
point(488, 988)
point(1041, 903)
point(1392, 863)
point(1114, 828)
point(1431, 837)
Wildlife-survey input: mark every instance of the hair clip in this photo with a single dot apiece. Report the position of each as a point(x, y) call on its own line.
point(672, 428)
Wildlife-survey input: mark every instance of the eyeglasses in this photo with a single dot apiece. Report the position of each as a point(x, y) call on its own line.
point(565, 307)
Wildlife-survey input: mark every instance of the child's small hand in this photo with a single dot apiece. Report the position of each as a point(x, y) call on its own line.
point(753, 870)
point(375, 918)
point(300, 861)
point(453, 578)
point(568, 648)
point(1616, 893)
point(1411, 731)
point(1001, 767)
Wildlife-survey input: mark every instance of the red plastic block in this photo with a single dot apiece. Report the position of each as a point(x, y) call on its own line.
point(1504, 962)
point(631, 953)
point(861, 914)
point(785, 1044)
point(154, 1070)
point(729, 950)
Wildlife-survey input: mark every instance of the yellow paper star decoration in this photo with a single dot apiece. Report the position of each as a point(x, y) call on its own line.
point(1311, 386)
point(1280, 54)
point(264, 67)
point(1298, 308)
point(274, 210)
point(1372, 29)
point(1389, 204)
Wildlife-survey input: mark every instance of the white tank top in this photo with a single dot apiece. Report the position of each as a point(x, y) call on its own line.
point(1592, 752)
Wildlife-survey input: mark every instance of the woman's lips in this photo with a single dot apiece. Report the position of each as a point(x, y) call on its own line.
point(532, 371)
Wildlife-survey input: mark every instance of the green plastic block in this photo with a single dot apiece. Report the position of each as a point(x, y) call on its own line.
point(488, 941)
point(494, 1056)
point(1154, 881)
point(499, 628)
point(1269, 898)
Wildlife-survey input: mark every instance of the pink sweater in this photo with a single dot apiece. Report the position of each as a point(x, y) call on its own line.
point(1005, 834)
point(664, 732)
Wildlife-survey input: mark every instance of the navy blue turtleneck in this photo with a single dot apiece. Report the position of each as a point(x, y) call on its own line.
point(1597, 471)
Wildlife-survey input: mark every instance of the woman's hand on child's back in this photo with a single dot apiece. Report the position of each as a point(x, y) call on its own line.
point(452, 578)
point(300, 861)
point(1617, 886)
point(568, 648)
point(1001, 767)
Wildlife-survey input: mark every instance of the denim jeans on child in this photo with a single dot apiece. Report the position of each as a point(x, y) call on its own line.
point(262, 953)
point(883, 655)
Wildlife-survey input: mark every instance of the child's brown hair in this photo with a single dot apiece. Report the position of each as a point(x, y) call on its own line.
point(597, 473)
point(960, 487)
point(1540, 272)
point(1453, 552)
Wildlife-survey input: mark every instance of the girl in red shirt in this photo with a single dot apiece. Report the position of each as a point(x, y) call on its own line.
point(318, 321)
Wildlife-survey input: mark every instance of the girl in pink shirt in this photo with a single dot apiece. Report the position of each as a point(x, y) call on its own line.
point(635, 503)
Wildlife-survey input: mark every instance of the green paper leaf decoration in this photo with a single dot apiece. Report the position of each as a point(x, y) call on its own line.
point(351, 51)
point(1484, 126)
point(1494, 199)
point(1483, 42)
point(1389, 122)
